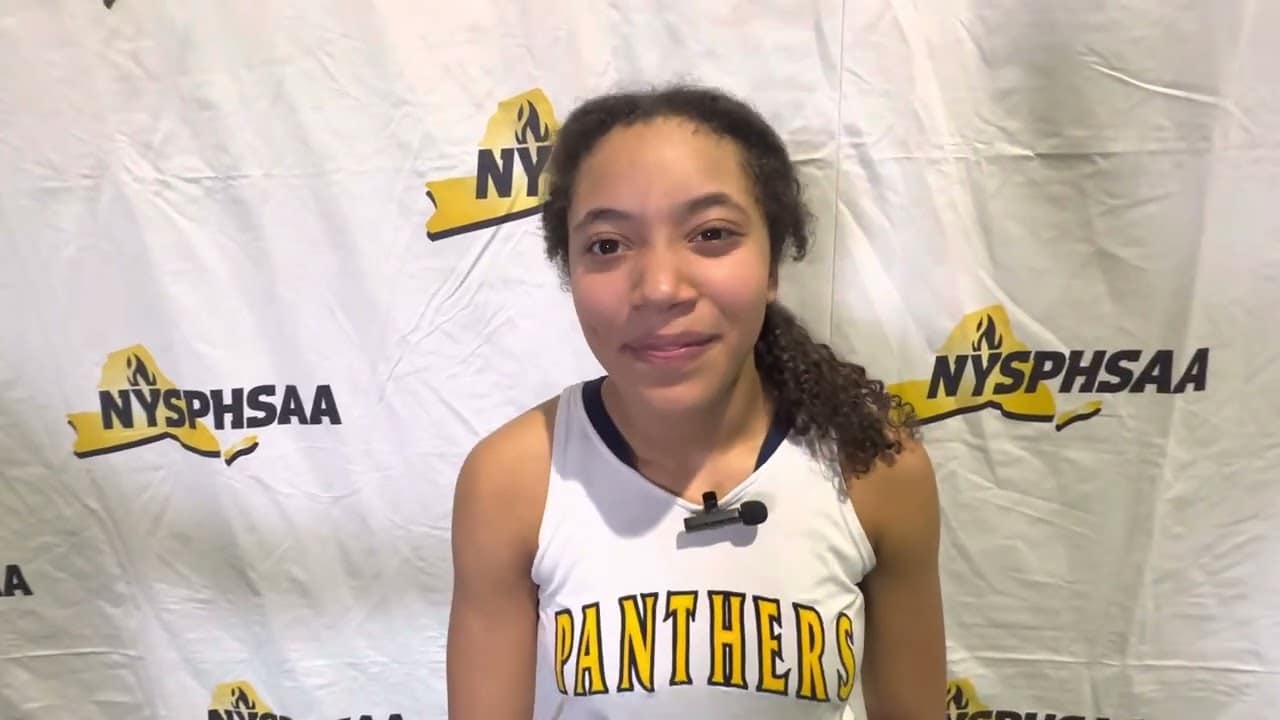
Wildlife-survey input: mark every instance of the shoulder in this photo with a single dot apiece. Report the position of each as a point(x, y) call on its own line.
point(897, 502)
point(524, 438)
point(505, 476)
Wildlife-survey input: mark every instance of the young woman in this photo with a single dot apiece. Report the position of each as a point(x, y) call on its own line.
point(579, 592)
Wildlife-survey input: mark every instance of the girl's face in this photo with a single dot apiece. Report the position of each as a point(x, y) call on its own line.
point(668, 261)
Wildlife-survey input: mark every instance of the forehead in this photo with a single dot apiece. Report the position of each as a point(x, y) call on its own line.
point(654, 165)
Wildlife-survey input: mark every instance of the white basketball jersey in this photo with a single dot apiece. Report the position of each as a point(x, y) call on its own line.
point(640, 619)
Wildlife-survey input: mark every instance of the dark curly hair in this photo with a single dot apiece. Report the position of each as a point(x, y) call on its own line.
point(831, 404)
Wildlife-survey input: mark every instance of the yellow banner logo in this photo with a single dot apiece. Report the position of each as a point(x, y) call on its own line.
point(984, 365)
point(508, 184)
point(138, 404)
point(239, 701)
point(962, 696)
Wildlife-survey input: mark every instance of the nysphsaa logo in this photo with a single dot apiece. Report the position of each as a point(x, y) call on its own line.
point(508, 182)
point(138, 405)
point(240, 701)
point(983, 365)
point(963, 703)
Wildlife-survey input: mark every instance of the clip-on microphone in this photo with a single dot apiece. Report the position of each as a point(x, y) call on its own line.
point(751, 512)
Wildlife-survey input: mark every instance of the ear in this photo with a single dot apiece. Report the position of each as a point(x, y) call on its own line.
point(772, 294)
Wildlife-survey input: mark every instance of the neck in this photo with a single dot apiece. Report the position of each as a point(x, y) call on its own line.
point(682, 441)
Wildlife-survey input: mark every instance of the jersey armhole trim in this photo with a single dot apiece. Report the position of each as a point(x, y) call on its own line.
point(861, 540)
point(857, 530)
point(559, 438)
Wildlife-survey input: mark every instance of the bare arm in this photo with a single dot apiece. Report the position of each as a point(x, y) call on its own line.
point(493, 620)
point(904, 668)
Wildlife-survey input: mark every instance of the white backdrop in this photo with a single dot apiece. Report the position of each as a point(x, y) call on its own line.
point(229, 210)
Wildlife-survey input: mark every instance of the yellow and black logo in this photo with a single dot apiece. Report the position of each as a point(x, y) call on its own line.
point(962, 697)
point(508, 183)
point(963, 704)
point(983, 365)
point(14, 582)
point(139, 405)
point(239, 701)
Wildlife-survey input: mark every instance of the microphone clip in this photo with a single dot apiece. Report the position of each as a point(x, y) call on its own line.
point(709, 502)
point(749, 513)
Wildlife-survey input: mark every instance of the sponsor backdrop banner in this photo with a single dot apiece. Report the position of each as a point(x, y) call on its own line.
point(271, 268)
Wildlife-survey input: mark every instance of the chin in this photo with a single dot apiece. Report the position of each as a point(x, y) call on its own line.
point(674, 398)
point(669, 393)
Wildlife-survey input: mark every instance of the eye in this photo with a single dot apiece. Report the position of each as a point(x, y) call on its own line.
point(715, 234)
point(604, 246)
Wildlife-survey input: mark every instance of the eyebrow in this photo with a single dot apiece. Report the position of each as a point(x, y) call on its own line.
point(687, 209)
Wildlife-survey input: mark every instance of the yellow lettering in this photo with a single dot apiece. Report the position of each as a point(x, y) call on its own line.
point(590, 661)
point(810, 639)
point(637, 642)
point(564, 645)
point(728, 647)
point(682, 607)
point(848, 660)
point(768, 625)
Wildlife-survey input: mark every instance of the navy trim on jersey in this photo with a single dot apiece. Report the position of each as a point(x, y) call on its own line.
point(593, 402)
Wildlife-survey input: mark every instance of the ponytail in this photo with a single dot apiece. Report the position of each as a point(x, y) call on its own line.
point(852, 419)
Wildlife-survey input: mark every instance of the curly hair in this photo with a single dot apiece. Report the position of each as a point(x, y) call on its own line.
point(850, 418)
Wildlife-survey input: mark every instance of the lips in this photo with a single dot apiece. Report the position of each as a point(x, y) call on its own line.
point(670, 342)
point(672, 350)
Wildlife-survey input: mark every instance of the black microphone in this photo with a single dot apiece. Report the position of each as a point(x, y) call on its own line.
point(751, 512)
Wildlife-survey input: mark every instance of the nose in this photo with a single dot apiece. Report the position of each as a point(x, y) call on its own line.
point(660, 278)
